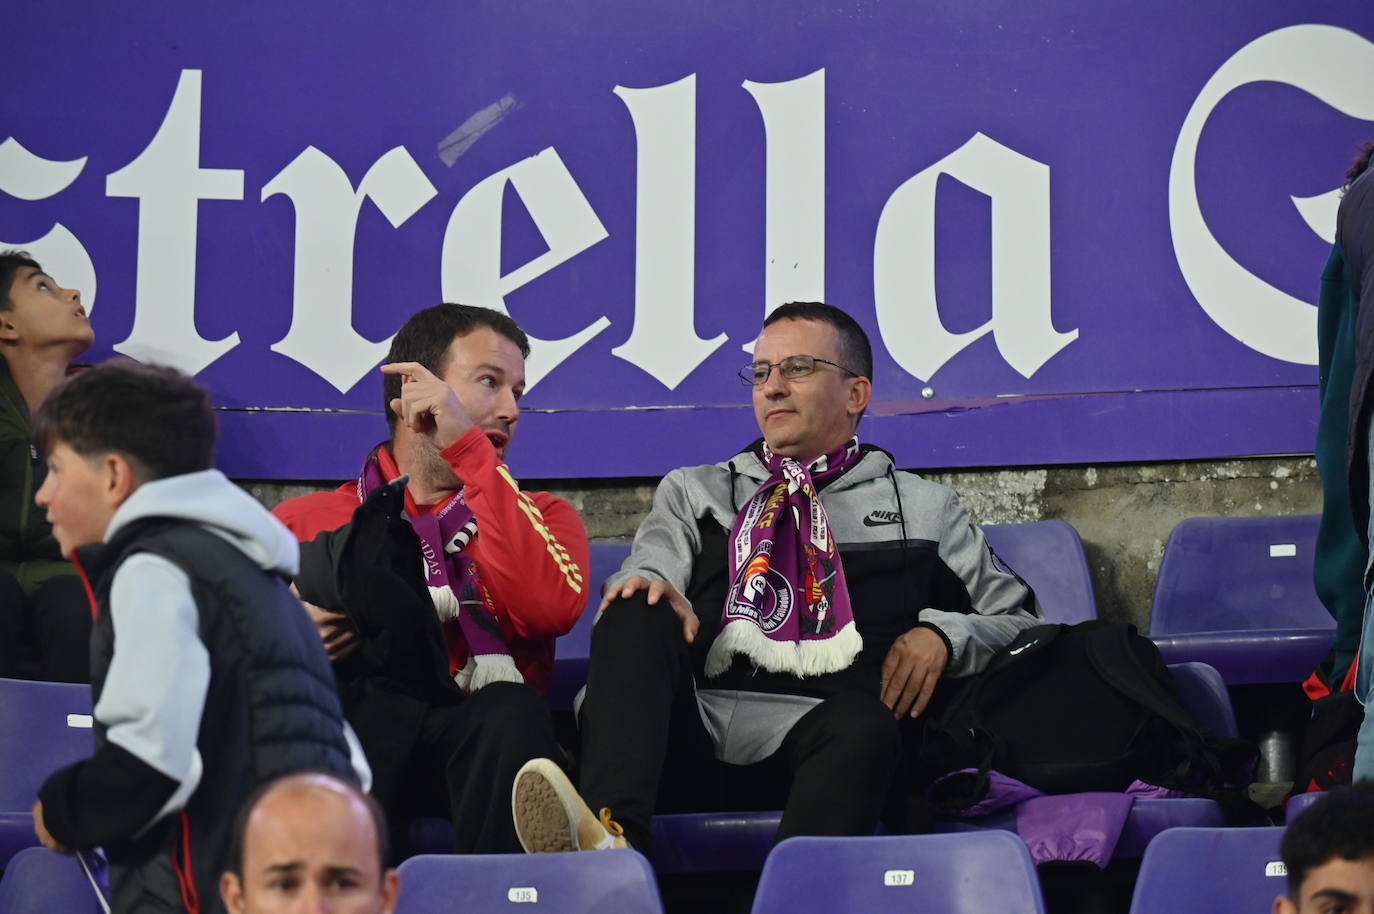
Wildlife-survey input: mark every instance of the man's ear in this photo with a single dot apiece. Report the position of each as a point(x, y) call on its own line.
point(1284, 905)
point(391, 888)
point(860, 392)
point(8, 331)
point(231, 890)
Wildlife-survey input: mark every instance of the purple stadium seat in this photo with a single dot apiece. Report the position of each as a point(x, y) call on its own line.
point(43, 726)
point(1048, 555)
point(1218, 870)
point(953, 874)
point(594, 883)
point(1202, 692)
point(1237, 593)
point(37, 881)
point(1298, 803)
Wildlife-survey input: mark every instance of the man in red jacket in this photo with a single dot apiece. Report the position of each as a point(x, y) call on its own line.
point(440, 611)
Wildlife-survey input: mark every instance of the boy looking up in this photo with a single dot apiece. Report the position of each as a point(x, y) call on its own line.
point(208, 678)
point(42, 328)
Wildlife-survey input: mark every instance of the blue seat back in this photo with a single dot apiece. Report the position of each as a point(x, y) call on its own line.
point(1218, 870)
point(1048, 555)
point(1202, 692)
point(591, 883)
point(1223, 574)
point(43, 726)
point(38, 881)
point(970, 873)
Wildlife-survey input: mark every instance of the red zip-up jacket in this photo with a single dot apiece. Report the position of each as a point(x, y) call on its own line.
point(531, 546)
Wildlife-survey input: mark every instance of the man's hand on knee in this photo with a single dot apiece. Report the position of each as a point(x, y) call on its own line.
point(656, 591)
point(912, 667)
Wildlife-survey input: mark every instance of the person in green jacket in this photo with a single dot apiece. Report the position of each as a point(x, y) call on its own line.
point(42, 603)
point(1340, 554)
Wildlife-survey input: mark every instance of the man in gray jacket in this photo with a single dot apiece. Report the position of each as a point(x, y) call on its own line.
point(785, 620)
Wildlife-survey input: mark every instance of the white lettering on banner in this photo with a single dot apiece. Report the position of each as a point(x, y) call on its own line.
point(664, 341)
point(31, 177)
point(1335, 65)
point(169, 184)
point(322, 337)
point(794, 195)
point(167, 179)
point(904, 262)
point(470, 268)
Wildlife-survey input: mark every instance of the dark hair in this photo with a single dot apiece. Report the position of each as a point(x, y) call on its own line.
point(855, 352)
point(156, 417)
point(10, 262)
point(1337, 825)
point(427, 336)
point(1357, 167)
point(235, 862)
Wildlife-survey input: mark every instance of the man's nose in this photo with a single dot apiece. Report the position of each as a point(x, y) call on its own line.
point(509, 408)
point(775, 385)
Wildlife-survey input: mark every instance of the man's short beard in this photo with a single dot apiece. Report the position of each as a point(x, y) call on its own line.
point(430, 468)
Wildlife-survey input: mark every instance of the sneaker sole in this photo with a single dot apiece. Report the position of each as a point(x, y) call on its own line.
point(542, 823)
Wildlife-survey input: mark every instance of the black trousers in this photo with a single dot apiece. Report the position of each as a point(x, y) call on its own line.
point(53, 622)
point(645, 749)
point(462, 765)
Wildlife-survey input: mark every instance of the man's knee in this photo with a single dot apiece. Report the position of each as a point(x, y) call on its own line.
point(635, 621)
point(512, 706)
point(861, 723)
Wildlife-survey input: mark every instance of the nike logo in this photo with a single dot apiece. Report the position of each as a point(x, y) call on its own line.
point(880, 518)
point(1023, 647)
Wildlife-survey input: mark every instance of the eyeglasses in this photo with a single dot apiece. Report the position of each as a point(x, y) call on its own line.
point(792, 368)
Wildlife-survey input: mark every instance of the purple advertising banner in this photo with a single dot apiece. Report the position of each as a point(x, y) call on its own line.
point(1075, 231)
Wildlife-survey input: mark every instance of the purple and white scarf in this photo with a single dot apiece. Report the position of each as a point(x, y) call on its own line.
point(455, 583)
point(788, 606)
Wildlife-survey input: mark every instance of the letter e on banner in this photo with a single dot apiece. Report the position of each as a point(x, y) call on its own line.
point(470, 271)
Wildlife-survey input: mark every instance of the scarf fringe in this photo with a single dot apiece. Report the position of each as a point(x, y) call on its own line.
point(445, 603)
point(483, 669)
point(812, 657)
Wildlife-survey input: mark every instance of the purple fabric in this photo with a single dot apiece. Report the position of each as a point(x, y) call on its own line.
point(443, 535)
point(1155, 792)
point(1074, 826)
point(788, 606)
point(1002, 791)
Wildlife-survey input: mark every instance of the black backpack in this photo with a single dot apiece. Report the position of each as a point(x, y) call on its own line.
point(1075, 708)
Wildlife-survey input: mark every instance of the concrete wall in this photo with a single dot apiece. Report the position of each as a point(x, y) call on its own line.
point(1123, 512)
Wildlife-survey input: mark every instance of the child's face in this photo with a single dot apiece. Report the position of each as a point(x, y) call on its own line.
point(80, 498)
point(1338, 886)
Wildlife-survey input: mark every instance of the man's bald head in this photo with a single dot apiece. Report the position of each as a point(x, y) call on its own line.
point(305, 839)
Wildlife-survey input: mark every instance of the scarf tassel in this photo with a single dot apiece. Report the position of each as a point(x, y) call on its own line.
point(811, 657)
point(483, 669)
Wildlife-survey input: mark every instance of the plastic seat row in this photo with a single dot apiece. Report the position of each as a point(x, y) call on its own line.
point(1225, 871)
